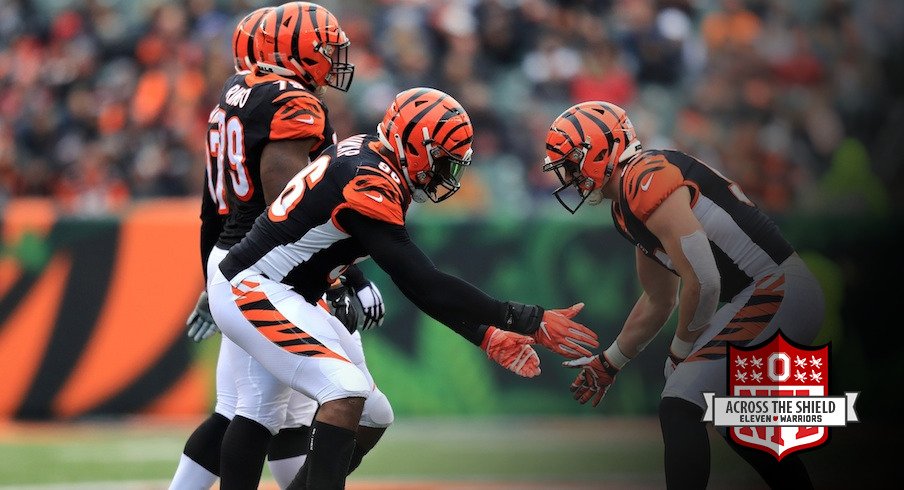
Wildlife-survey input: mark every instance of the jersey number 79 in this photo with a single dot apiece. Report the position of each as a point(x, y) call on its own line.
point(226, 142)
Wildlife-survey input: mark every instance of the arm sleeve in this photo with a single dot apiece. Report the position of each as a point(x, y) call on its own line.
point(211, 227)
point(456, 303)
point(354, 278)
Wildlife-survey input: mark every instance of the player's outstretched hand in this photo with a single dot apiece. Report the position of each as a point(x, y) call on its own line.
point(562, 335)
point(512, 351)
point(200, 323)
point(595, 378)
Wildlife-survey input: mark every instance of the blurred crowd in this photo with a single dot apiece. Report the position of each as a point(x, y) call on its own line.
point(103, 102)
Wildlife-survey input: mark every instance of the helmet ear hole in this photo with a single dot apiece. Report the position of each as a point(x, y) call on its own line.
point(601, 155)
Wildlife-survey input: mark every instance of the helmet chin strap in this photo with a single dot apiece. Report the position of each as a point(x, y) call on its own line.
point(595, 197)
point(417, 195)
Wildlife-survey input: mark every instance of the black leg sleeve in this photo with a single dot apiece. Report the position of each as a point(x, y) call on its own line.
point(789, 473)
point(328, 462)
point(686, 444)
point(289, 443)
point(243, 453)
point(203, 445)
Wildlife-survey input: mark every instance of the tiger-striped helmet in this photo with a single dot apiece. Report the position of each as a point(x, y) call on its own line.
point(243, 39)
point(304, 40)
point(583, 146)
point(430, 134)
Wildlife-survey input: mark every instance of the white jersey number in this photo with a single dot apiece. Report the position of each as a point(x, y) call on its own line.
point(227, 143)
point(307, 178)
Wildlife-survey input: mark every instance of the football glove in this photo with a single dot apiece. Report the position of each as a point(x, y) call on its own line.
point(371, 305)
point(563, 336)
point(596, 376)
point(200, 322)
point(512, 351)
point(345, 306)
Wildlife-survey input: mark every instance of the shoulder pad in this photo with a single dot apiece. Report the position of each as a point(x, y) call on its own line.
point(648, 181)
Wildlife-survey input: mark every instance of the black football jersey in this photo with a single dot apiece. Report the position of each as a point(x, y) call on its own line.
point(252, 111)
point(299, 241)
point(745, 242)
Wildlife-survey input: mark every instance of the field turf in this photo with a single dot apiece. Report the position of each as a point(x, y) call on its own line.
point(423, 454)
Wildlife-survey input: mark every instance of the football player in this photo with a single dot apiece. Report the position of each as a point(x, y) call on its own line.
point(262, 132)
point(699, 240)
point(349, 204)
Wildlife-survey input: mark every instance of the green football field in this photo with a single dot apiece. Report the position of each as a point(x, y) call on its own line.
point(580, 452)
point(441, 454)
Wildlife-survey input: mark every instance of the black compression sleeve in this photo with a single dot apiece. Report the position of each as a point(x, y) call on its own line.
point(450, 300)
point(354, 278)
point(211, 227)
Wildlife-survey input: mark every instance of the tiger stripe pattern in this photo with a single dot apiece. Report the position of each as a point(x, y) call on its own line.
point(260, 312)
point(749, 321)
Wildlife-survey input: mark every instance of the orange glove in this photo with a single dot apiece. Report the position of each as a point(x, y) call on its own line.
point(512, 351)
point(563, 336)
point(596, 376)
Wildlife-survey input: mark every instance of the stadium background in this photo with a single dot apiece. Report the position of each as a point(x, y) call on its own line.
point(103, 109)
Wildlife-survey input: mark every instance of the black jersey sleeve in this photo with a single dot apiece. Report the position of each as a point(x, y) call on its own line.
point(211, 227)
point(354, 278)
point(448, 299)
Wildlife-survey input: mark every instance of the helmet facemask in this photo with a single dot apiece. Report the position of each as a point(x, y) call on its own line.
point(445, 171)
point(341, 71)
point(576, 187)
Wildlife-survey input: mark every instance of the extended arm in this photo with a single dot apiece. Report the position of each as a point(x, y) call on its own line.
point(456, 303)
point(653, 308)
point(649, 314)
point(688, 247)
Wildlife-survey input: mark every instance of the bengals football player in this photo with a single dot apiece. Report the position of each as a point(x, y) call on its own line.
point(347, 205)
point(267, 125)
point(694, 228)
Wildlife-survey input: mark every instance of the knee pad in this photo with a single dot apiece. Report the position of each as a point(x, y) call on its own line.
point(341, 379)
point(377, 411)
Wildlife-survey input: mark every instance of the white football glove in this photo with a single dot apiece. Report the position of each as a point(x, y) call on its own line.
point(200, 323)
point(372, 303)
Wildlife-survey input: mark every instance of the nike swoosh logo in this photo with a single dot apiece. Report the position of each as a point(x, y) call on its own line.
point(308, 120)
point(646, 185)
point(375, 198)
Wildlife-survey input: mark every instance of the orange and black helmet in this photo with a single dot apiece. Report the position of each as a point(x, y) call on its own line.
point(304, 40)
point(430, 134)
point(583, 146)
point(243, 39)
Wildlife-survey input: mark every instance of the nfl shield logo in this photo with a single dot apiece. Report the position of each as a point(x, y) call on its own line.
point(778, 368)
